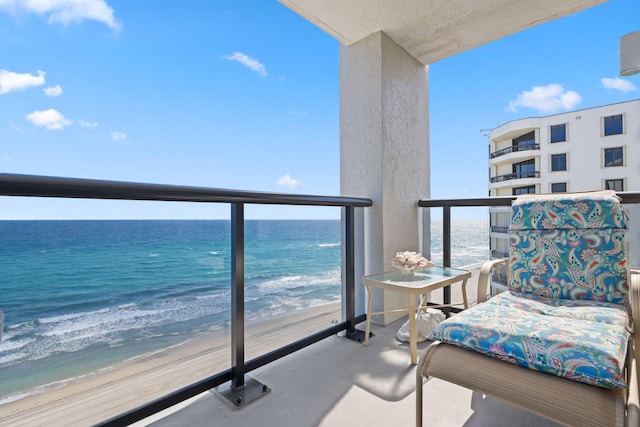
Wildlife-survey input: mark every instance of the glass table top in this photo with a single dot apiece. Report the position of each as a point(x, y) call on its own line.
point(418, 279)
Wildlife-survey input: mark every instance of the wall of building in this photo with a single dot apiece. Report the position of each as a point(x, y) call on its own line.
point(584, 148)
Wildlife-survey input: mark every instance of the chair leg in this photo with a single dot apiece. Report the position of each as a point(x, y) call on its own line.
point(633, 398)
point(419, 386)
point(421, 367)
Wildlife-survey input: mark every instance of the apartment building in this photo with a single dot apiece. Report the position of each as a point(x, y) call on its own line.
point(591, 149)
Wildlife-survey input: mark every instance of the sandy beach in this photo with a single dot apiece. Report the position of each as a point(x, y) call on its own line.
point(102, 395)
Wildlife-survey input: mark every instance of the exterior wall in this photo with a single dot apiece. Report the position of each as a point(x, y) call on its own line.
point(584, 147)
point(384, 152)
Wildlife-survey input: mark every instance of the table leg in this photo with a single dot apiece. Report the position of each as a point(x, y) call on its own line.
point(413, 340)
point(464, 293)
point(369, 304)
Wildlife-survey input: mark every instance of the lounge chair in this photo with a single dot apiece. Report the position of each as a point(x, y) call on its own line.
point(559, 343)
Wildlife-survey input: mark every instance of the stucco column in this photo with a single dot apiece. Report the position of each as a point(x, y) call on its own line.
point(384, 153)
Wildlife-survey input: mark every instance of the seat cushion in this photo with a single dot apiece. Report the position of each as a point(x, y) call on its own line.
point(587, 264)
point(569, 246)
point(581, 340)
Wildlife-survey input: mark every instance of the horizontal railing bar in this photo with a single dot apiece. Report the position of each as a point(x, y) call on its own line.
point(515, 175)
point(500, 254)
point(46, 186)
point(499, 229)
point(626, 196)
point(167, 401)
point(482, 201)
point(514, 149)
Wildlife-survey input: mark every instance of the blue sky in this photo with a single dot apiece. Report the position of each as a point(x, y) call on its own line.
point(244, 95)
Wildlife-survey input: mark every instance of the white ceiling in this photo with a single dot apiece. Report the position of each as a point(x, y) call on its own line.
point(431, 30)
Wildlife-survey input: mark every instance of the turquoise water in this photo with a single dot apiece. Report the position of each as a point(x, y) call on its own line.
point(469, 242)
point(79, 296)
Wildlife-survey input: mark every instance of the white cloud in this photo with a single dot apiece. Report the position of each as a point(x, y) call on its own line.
point(287, 181)
point(84, 124)
point(50, 119)
point(618, 84)
point(252, 64)
point(118, 136)
point(53, 90)
point(64, 11)
point(10, 81)
point(546, 99)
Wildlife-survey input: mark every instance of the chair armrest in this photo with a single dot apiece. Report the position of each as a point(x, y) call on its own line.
point(485, 276)
point(633, 397)
point(633, 400)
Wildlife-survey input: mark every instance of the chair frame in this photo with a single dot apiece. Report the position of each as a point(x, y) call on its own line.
point(564, 401)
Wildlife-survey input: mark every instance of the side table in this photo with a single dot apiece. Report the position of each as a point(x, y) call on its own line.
point(419, 283)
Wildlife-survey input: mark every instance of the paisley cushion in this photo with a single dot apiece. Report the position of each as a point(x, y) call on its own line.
point(588, 264)
point(569, 246)
point(596, 209)
point(580, 340)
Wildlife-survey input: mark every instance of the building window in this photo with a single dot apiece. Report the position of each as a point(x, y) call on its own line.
point(558, 162)
point(614, 184)
point(613, 157)
point(613, 125)
point(558, 133)
point(524, 142)
point(529, 189)
point(559, 187)
point(526, 169)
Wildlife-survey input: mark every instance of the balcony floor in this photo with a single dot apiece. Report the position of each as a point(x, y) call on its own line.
point(338, 382)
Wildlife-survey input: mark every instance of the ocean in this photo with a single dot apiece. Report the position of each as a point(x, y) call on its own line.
point(80, 296)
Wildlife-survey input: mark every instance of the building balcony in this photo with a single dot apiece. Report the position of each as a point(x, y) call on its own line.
point(499, 254)
point(514, 149)
point(499, 229)
point(316, 376)
point(512, 176)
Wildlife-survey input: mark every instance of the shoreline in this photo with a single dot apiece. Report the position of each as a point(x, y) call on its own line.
point(103, 394)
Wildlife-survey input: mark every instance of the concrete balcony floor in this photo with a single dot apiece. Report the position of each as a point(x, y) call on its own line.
point(338, 382)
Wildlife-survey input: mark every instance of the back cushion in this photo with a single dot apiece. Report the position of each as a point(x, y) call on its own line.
point(569, 246)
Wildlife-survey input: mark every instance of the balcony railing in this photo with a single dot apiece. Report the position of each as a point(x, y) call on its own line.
point(513, 149)
point(35, 186)
point(499, 229)
point(39, 186)
point(499, 254)
point(516, 175)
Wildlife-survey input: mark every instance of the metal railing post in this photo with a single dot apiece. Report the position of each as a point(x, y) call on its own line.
point(446, 248)
point(237, 295)
point(349, 272)
point(239, 392)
